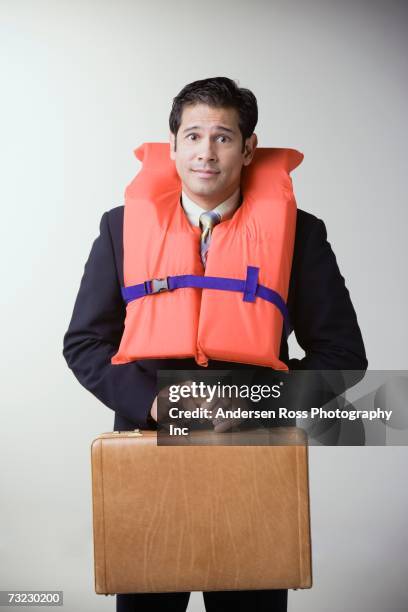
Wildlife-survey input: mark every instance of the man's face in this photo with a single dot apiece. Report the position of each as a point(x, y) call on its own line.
point(209, 156)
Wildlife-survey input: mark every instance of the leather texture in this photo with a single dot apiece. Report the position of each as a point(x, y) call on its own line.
point(205, 517)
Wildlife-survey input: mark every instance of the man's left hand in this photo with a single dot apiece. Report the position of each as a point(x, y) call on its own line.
point(224, 424)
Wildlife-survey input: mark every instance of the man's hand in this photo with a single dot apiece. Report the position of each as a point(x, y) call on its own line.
point(221, 424)
point(186, 403)
point(153, 410)
point(189, 403)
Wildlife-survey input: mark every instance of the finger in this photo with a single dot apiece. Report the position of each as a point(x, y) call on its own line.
point(222, 426)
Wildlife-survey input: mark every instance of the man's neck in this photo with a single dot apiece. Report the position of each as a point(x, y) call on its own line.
point(225, 209)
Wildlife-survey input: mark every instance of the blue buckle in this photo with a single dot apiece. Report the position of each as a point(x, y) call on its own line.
point(157, 285)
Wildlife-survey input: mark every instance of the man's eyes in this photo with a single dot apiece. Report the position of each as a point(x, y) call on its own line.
point(221, 138)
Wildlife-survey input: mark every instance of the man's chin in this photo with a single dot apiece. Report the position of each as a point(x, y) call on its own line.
point(203, 191)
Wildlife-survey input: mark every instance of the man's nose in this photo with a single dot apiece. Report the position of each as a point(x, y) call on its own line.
point(207, 151)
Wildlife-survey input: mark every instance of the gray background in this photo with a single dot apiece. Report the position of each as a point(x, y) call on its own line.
point(84, 83)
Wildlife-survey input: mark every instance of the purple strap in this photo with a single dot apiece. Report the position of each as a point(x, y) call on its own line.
point(249, 287)
point(251, 284)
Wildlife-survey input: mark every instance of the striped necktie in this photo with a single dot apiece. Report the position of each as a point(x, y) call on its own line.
point(208, 221)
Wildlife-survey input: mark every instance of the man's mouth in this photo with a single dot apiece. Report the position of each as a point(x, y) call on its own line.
point(205, 173)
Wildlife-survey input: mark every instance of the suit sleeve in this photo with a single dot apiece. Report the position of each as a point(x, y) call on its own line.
point(94, 334)
point(324, 319)
point(325, 325)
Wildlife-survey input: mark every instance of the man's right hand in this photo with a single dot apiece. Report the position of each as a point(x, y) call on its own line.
point(185, 403)
point(153, 410)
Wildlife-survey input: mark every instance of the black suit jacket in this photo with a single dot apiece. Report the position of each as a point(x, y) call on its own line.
point(319, 304)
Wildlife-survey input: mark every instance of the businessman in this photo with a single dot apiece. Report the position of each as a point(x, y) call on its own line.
point(212, 139)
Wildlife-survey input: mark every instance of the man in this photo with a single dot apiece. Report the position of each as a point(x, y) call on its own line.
point(212, 139)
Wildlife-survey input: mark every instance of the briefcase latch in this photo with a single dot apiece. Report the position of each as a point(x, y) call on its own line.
point(133, 432)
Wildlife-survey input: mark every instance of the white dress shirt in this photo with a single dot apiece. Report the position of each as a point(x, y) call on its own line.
point(226, 209)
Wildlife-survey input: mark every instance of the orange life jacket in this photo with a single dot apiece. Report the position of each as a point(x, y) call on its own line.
point(233, 310)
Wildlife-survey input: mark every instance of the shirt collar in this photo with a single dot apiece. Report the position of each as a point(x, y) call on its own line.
point(226, 209)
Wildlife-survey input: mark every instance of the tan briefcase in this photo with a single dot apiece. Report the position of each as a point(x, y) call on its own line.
point(200, 518)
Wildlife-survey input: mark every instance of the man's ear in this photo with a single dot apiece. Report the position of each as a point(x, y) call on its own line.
point(172, 139)
point(250, 146)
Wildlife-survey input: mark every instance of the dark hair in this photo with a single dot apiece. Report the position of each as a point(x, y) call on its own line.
point(217, 92)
